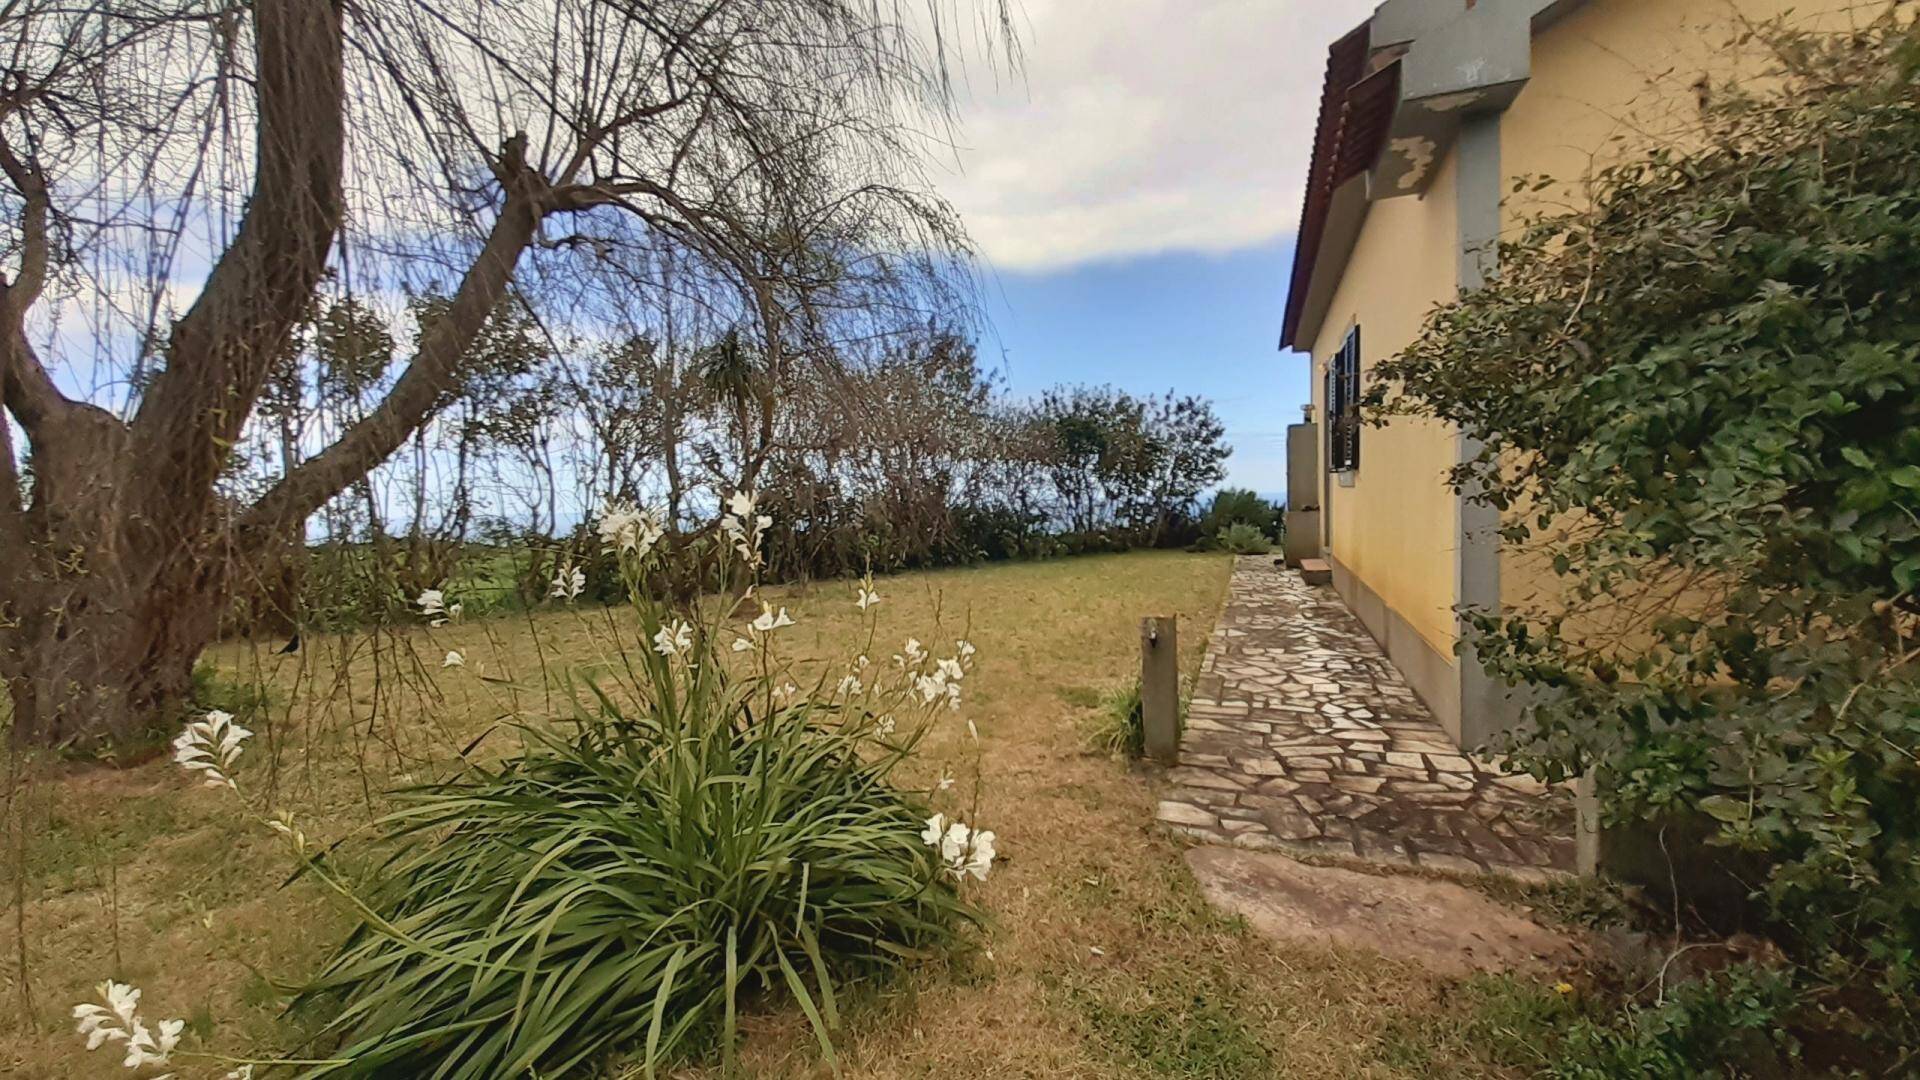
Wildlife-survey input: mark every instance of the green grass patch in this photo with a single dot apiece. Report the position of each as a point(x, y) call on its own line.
point(1182, 1024)
point(1118, 727)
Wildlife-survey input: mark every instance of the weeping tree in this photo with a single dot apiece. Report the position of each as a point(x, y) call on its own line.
point(184, 178)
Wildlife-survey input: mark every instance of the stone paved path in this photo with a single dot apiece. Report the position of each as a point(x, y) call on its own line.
point(1302, 736)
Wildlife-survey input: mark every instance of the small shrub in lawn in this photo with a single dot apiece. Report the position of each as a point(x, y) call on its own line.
point(627, 885)
point(1244, 539)
point(1118, 727)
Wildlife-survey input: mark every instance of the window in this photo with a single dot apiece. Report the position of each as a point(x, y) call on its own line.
point(1343, 405)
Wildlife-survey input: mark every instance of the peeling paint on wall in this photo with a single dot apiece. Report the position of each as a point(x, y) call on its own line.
point(1452, 102)
point(1418, 150)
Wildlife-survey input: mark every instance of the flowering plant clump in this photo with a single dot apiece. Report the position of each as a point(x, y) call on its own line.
point(711, 820)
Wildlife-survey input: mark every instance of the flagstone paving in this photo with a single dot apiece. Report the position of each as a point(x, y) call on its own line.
point(1301, 736)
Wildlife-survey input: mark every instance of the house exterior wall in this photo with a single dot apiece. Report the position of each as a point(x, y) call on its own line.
point(1391, 524)
point(1606, 76)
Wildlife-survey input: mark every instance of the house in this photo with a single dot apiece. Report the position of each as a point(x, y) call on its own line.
point(1435, 117)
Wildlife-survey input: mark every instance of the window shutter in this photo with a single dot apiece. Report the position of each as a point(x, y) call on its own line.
point(1343, 405)
point(1353, 399)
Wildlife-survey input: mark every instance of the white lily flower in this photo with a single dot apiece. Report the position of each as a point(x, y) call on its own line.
point(850, 686)
point(979, 858)
point(454, 609)
point(866, 598)
point(431, 602)
point(454, 659)
point(885, 726)
point(966, 649)
point(952, 670)
point(119, 1021)
point(740, 504)
point(627, 528)
point(209, 745)
point(935, 830)
point(142, 1049)
point(742, 644)
point(123, 998)
point(673, 639)
point(568, 584)
point(94, 1021)
point(932, 687)
point(953, 846)
point(768, 622)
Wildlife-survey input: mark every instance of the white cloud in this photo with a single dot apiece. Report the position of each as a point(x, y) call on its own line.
point(1146, 125)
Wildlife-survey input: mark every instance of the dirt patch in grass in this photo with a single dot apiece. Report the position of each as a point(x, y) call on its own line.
point(1102, 959)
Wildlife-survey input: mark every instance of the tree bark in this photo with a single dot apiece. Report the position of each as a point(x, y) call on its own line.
point(124, 562)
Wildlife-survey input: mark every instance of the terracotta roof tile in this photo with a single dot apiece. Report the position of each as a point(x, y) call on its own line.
point(1356, 110)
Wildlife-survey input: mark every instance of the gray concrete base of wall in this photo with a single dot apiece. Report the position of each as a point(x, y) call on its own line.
point(1432, 674)
point(1303, 536)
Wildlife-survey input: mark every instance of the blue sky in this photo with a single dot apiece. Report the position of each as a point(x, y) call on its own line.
point(1195, 322)
point(1135, 193)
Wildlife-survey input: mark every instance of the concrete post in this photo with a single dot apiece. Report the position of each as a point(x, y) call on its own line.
point(1160, 687)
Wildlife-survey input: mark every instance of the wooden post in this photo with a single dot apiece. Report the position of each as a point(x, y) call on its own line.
point(1586, 834)
point(1160, 687)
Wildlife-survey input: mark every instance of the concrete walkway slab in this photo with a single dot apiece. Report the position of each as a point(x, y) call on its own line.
point(1301, 736)
point(1441, 925)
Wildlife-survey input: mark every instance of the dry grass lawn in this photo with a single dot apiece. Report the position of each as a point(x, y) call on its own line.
point(1101, 960)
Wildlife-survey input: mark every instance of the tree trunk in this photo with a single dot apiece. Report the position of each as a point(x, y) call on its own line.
point(114, 576)
point(115, 668)
point(105, 620)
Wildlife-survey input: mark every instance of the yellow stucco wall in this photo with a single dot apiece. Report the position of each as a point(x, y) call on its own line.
point(1394, 528)
point(1610, 79)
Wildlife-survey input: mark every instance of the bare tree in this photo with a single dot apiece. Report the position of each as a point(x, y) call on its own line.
point(274, 149)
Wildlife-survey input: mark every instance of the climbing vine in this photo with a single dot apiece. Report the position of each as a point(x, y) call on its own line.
point(1699, 402)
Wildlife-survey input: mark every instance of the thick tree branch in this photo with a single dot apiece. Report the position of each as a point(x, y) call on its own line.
point(220, 351)
point(25, 387)
point(34, 251)
point(431, 376)
point(13, 526)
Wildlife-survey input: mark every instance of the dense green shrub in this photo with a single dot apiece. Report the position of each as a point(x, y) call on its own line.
point(1730, 1023)
point(626, 887)
point(1243, 539)
point(700, 832)
point(1241, 506)
point(997, 533)
point(1703, 392)
point(1727, 1024)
